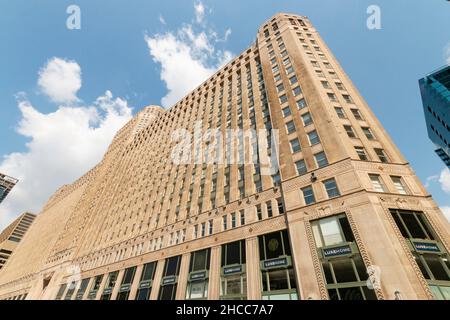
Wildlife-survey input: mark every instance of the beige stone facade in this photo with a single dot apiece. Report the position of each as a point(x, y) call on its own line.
point(344, 205)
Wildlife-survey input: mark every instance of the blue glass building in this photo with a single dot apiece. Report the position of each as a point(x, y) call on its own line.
point(435, 90)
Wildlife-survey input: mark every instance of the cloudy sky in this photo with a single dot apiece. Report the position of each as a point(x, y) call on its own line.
point(64, 93)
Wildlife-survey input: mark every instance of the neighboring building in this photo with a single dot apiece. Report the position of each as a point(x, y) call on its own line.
point(6, 184)
point(12, 235)
point(435, 90)
point(345, 202)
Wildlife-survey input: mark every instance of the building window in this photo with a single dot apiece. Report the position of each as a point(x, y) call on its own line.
point(429, 253)
point(210, 227)
point(125, 286)
point(321, 159)
point(224, 223)
point(146, 281)
point(377, 183)
point(110, 284)
point(233, 281)
point(269, 209)
point(286, 112)
point(356, 114)
point(293, 80)
point(332, 97)
point(301, 104)
point(283, 99)
point(95, 287)
point(278, 279)
point(325, 84)
point(347, 98)
point(361, 153)
point(301, 167)
point(289, 70)
point(308, 195)
point(368, 133)
point(350, 131)
point(382, 155)
point(297, 91)
point(197, 286)
point(242, 213)
point(342, 265)
point(280, 206)
point(169, 285)
point(233, 221)
point(307, 120)
point(280, 87)
point(295, 145)
point(340, 112)
point(290, 127)
point(399, 185)
point(82, 289)
point(259, 212)
point(331, 187)
point(61, 291)
point(313, 138)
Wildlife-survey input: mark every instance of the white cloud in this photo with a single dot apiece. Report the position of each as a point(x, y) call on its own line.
point(199, 12)
point(62, 146)
point(447, 53)
point(60, 80)
point(444, 180)
point(161, 19)
point(187, 56)
point(446, 212)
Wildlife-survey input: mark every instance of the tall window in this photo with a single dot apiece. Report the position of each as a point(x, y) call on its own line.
point(368, 133)
point(125, 286)
point(357, 114)
point(301, 167)
point(197, 287)
point(361, 153)
point(233, 220)
point(313, 138)
point(321, 159)
point(277, 273)
point(342, 265)
point(233, 281)
point(82, 289)
point(110, 284)
point(340, 112)
point(146, 281)
point(308, 195)
point(224, 223)
point(290, 127)
point(331, 187)
point(430, 255)
point(377, 183)
point(350, 131)
point(307, 120)
point(95, 287)
point(295, 145)
point(168, 288)
point(381, 155)
point(399, 185)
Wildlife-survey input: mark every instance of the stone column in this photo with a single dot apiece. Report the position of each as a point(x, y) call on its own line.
point(157, 281)
point(214, 274)
point(253, 269)
point(182, 277)
point(102, 286)
point(116, 288)
point(135, 284)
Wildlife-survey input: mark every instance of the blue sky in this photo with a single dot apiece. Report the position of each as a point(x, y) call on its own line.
point(121, 70)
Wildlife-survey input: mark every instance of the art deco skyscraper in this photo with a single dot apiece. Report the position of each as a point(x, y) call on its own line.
point(344, 205)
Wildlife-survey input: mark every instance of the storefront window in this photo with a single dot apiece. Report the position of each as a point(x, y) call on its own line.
point(71, 290)
point(110, 283)
point(168, 288)
point(429, 253)
point(277, 273)
point(342, 265)
point(233, 281)
point(95, 287)
point(197, 286)
point(82, 289)
point(145, 283)
point(125, 286)
point(61, 290)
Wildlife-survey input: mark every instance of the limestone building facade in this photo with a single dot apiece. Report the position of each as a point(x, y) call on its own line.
point(344, 217)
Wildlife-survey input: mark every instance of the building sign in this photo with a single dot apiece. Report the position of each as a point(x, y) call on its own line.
point(197, 276)
point(145, 284)
point(275, 263)
point(337, 251)
point(232, 270)
point(107, 291)
point(169, 280)
point(125, 287)
point(92, 294)
point(426, 246)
